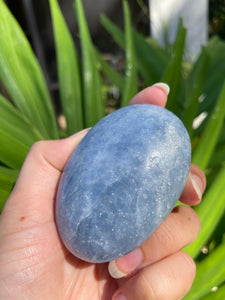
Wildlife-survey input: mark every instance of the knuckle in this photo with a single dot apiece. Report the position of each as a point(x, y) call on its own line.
point(193, 220)
point(149, 290)
point(190, 266)
point(37, 146)
point(165, 236)
point(188, 220)
point(196, 220)
point(37, 150)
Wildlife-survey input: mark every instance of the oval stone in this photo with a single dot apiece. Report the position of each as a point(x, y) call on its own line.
point(122, 181)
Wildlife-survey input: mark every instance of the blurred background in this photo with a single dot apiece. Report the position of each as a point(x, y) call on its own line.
point(35, 19)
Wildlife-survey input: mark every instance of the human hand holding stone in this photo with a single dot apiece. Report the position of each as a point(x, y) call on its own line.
point(34, 264)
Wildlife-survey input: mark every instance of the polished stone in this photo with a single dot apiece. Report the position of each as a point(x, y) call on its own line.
point(122, 181)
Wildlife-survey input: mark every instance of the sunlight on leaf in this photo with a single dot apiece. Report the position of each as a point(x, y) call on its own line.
point(68, 72)
point(92, 93)
point(22, 76)
point(131, 82)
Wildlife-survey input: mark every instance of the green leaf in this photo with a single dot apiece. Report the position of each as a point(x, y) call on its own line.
point(131, 81)
point(16, 135)
point(115, 32)
point(22, 76)
point(151, 60)
point(12, 116)
point(5, 189)
point(109, 71)
point(68, 71)
point(215, 74)
point(7, 179)
point(215, 295)
point(210, 212)
point(211, 133)
point(195, 83)
point(222, 135)
point(210, 273)
point(218, 156)
point(12, 151)
point(172, 74)
point(93, 103)
point(11, 174)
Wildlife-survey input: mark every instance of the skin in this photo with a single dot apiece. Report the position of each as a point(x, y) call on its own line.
point(34, 264)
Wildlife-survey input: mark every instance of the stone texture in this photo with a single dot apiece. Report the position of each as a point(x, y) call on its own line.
point(122, 181)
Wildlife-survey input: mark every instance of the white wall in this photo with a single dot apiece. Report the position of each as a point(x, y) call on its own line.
point(164, 18)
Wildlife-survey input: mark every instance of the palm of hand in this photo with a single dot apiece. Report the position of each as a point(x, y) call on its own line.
point(45, 267)
point(34, 263)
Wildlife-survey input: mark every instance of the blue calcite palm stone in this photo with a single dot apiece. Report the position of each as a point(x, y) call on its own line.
point(122, 181)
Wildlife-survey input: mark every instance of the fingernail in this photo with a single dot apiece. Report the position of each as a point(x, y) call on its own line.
point(114, 270)
point(125, 265)
point(197, 185)
point(120, 296)
point(83, 130)
point(165, 87)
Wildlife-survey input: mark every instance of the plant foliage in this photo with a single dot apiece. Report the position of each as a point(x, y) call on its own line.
point(197, 90)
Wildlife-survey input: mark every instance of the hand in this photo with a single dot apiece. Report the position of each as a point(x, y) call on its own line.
point(34, 264)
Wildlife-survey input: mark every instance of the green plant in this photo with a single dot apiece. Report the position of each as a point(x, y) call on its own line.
point(217, 18)
point(196, 89)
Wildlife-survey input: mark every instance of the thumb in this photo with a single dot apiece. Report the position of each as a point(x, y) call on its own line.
point(36, 186)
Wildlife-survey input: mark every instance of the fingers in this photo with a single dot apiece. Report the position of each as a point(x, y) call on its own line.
point(195, 186)
point(39, 176)
point(170, 278)
point(156, 94)
point(166, 240)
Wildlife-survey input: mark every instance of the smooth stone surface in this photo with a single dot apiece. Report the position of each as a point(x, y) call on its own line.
point(122, 181)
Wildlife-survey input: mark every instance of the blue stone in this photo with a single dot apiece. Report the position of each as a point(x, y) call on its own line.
point(122, 181)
